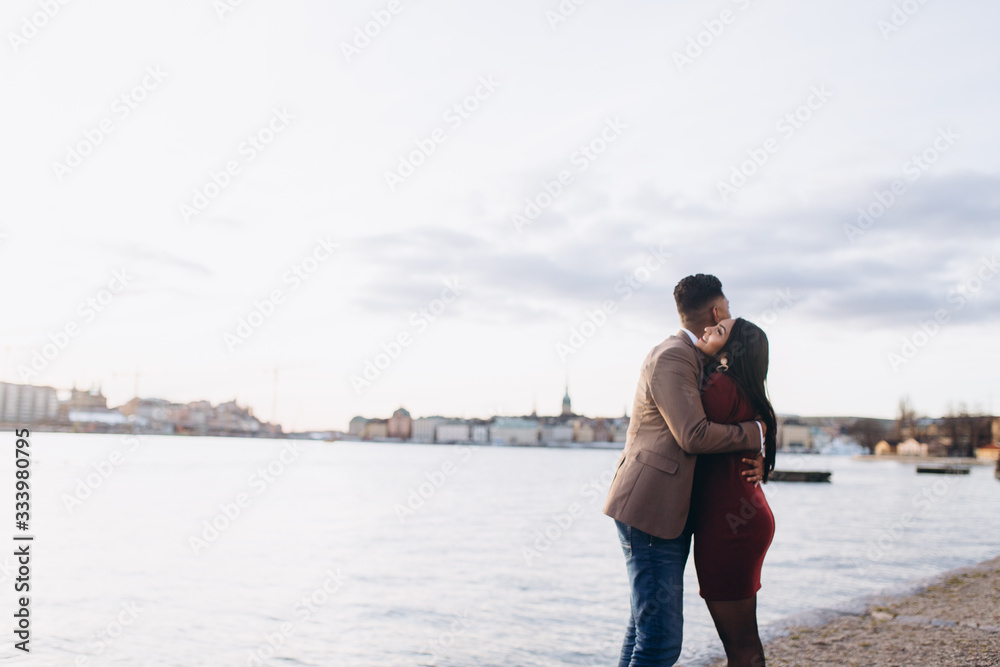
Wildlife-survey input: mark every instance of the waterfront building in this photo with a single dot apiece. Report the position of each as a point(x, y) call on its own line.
point(401, 424)
point(425, 428)
point(376, 429)
point(26, 404)
point(357, 426)
point(453, 431)
point(514, 431)
point(620, 429)
point(480, 432)
point(584, 430)
point(886, 447)
point(557, 433)
point(988, 453)
point(910, 447)
point(149, 411)
point(567, 405)
point(91, 417)
point(794, 437)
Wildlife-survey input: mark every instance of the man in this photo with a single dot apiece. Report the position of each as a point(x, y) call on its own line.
point(650, 494)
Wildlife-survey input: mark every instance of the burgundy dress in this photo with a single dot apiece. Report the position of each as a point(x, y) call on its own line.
point(732, 522)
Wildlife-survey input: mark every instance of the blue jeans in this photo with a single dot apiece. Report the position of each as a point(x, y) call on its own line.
point(656, 576)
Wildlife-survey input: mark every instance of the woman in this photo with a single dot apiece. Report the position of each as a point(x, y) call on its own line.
point(733, 524)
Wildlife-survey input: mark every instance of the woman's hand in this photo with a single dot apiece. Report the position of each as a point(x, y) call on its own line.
point(755, 469)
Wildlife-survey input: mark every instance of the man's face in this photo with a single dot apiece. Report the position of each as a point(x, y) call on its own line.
point(721, 310)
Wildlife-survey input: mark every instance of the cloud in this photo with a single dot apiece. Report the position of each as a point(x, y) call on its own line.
point(901, 269)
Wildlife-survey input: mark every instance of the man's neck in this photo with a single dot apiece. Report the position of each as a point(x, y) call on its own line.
point(696, 328)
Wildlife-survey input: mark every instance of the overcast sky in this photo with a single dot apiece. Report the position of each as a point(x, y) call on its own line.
point(223, 155)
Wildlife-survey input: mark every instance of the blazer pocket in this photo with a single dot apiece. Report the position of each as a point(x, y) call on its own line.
point(657, 461)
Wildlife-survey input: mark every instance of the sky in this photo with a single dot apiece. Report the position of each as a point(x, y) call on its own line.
point(325, 210)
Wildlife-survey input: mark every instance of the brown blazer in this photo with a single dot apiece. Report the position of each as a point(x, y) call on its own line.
point(651, 489)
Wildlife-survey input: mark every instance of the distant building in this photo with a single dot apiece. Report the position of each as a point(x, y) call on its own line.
point(81, 400)
point(425, 428)
point(96, 416)
point(585, 431)
point(376, 429)
point(620, 429)
point(452, 432)
point(229, 417)
point(150, 411)
point(514, 431)
point(357, 426)
point(400, 425)
point(886, 448)
point(988, 453)
point(910, 447)
point(557, 433)
point(480, 432)
point(567, 406)
point(793, 437)
point(27, 404)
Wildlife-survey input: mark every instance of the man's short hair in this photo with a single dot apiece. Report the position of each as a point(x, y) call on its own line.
point(695, 292)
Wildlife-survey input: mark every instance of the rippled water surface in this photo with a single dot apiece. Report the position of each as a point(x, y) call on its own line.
point(395, 554)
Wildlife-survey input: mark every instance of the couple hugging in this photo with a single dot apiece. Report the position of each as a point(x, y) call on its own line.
point(700, 441)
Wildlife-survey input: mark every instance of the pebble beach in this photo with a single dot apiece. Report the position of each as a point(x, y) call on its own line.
point(952, 621)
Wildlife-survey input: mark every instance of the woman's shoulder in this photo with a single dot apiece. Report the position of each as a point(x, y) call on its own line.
point(720, 382)
point(719, 389)
point(723, 400)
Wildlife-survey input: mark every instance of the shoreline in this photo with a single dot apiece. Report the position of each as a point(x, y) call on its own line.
point(950, 619)
point(951, 460)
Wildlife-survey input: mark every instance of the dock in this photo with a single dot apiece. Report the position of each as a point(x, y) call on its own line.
point(943, 470)
point(798, 476)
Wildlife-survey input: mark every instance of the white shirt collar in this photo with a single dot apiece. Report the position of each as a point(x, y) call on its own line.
point(694, 339)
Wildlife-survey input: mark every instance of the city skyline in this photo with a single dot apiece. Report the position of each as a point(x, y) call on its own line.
point(293, 196)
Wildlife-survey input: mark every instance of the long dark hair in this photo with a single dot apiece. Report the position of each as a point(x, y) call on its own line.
point(746, 352)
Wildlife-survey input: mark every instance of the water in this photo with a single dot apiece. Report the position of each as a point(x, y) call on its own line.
point(461, 579)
